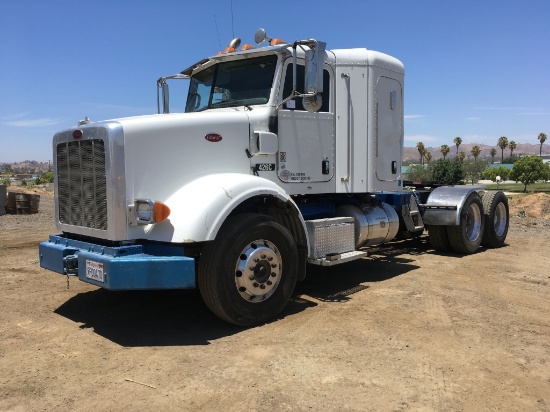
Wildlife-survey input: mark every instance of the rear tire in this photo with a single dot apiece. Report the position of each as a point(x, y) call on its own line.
point(497, 219)
point(248, 273)
point(466, 237)
point(439, 238)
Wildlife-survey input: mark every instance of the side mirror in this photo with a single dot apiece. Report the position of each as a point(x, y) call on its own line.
point(315, 59)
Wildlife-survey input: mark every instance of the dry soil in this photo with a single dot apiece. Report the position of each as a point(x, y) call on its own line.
point(404, 329)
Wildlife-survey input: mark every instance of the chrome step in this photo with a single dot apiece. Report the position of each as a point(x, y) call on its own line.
point(332, 260)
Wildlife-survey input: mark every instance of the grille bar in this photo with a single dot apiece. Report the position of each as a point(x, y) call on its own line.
point(82, 183)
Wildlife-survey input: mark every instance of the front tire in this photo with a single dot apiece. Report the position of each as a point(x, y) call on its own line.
point(497, 218)
point(248, 273)
point(466, 237)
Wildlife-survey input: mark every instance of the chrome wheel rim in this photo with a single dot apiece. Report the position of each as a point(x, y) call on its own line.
point(499, 219)
point(258, 271)
point(473, 222)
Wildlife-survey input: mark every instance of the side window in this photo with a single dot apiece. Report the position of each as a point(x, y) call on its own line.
point(300, 73)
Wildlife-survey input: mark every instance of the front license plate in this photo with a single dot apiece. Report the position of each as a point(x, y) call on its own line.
point(94, 270)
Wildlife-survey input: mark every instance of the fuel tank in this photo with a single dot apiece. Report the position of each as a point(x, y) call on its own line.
point(374, 223)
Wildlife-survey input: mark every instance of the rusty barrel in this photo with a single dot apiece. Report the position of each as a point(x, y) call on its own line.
point(3, 199)
point(22, 203)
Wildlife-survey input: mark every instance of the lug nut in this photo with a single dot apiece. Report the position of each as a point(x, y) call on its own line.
point(273, 274)
point(262, 286)
point(255, 284)
point(269, 283)
point(270, 258)
point(273, 265)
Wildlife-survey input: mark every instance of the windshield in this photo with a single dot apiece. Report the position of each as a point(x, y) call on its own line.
point(234, 83)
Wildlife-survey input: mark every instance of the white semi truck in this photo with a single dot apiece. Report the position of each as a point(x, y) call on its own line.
point(286, 155)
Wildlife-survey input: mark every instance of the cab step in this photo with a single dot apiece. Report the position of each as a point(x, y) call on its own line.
point(337, 258)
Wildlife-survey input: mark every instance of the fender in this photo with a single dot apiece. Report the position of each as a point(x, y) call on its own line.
point(445, 203)
point(200, 207)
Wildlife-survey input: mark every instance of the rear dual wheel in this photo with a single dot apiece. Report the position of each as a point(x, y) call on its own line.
point(497, 218)
point(466, 237)
point(248, 273)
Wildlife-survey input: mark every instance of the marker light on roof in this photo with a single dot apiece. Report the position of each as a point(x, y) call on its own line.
point(247, 47)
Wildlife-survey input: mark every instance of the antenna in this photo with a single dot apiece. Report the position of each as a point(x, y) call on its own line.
point(219, 41)
point(232, 26)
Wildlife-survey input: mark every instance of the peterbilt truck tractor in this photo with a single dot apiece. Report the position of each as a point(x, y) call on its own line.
point(285, 156)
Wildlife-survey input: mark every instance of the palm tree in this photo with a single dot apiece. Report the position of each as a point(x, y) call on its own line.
point(461, 156)
point(512, 145)
point(542, 138)
point(493, 153)
point(503, 144)
point(421, 149)
point(444, 150)
point(428, 157)
point(476, 151)
point(457, 141)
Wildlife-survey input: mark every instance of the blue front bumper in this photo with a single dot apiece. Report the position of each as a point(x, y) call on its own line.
point(148, 266)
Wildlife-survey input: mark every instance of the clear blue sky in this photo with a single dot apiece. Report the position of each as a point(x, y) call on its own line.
point(478, 69)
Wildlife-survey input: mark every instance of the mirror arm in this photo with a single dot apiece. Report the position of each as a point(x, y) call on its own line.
point(294, 93)
point(161, 84)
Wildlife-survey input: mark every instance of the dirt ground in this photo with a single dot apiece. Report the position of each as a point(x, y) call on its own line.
point(404, 329)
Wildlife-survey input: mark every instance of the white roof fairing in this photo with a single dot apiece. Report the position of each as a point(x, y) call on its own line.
point(348, 57)
point(365, 57)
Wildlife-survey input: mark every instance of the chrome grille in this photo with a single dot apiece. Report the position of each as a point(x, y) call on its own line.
point(82, 183)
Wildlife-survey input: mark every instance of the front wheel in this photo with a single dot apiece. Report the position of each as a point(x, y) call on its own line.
point(248, 273)
point(466, 237)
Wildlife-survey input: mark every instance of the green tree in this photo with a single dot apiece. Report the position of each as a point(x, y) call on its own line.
point(421, 150)
point(428, 157)
point(542, 138)
point(476, 151)
point(530, 169)
point(419, 173)
point(503, 144)
point(510, 160)
point(444, 149)
point(473, 170)
point(512, 145)
point(447, 172)
point(493, 154)
point(47, 177)
point(457, 141)
point(461, 156)
point(493, 172)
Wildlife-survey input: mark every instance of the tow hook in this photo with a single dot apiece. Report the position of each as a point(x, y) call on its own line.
point(70, 265)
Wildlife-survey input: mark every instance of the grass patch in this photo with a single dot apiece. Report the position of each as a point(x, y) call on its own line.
point(518, 187)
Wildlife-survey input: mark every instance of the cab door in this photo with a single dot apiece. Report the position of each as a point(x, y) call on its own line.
point(306, 140)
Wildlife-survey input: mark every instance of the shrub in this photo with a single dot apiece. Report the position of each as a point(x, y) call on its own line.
point(447, 172)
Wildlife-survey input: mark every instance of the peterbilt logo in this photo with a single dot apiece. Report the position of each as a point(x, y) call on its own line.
point(213, 137)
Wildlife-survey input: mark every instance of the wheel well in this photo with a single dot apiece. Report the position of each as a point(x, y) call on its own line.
point(284, 213)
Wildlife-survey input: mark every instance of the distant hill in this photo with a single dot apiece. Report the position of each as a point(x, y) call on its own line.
point(410, 154)
point(26, 166)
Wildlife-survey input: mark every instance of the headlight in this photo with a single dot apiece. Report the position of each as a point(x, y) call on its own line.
point(146, 212)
